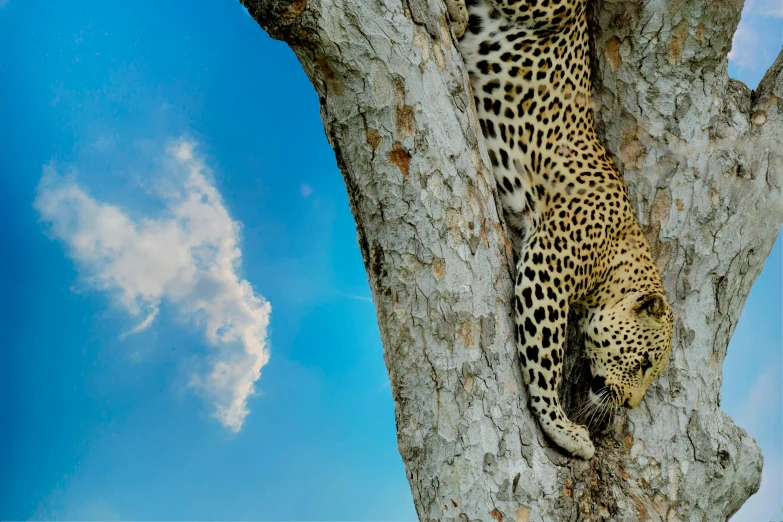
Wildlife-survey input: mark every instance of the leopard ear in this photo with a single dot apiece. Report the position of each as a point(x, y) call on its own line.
point(653, 306)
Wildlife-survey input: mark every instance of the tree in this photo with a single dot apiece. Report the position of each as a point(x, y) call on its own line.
point(701, 154)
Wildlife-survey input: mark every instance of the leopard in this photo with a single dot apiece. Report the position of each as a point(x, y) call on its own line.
point(580, 245)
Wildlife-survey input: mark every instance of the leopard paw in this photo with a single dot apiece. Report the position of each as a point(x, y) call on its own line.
point(573, 438)
point(582, 446)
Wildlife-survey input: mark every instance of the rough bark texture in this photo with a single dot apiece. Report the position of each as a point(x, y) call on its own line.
point(702, 156)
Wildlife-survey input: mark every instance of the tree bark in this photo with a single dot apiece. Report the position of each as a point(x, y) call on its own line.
point(702, 157)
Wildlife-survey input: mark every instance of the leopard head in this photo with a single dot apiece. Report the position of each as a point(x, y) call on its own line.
point(628, 345)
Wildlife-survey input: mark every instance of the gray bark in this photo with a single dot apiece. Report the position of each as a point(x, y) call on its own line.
point(701, 154)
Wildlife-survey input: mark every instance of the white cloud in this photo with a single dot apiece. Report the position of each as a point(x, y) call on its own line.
point(189, 258)
point(146, 323)
point(305, 190)
point(355, 297)
point(773, 8)
point(747, 51)
point(103, 143)
point(744, 46)
point(763, 396)
point(97, 509)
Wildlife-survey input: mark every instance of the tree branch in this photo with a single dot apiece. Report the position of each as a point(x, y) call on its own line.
point(772, 82)
point(395, 102)
point(654, 63)
point(767, 114)
point(279, 18)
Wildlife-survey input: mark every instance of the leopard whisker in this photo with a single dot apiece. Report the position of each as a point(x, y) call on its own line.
point(607, 412)
point(587, 406)
point(602, 394)
point(585, 409)
point(604, 407)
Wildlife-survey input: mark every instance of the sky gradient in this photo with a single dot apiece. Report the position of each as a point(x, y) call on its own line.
point(176, 228)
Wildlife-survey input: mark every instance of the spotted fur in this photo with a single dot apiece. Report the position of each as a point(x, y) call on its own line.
point(582, 247)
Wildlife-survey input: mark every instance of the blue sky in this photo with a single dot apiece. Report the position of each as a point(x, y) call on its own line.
point(161, 154)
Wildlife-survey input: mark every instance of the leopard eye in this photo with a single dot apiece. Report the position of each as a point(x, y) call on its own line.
point(645, 365)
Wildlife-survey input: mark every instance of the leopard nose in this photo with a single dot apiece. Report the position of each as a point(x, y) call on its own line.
point(633, 401)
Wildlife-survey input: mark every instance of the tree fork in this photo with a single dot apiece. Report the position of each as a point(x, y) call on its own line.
point(701, 154)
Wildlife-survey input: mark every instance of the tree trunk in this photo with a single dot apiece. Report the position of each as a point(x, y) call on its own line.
point(702, 157)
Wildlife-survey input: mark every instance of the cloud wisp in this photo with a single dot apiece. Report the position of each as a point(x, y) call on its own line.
point(746, 49)
point(187, 258)
point(752, 415)
point(764, 392)
point(744, 46)
point(771, 8)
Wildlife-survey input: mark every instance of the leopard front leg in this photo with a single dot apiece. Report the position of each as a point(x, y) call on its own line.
point(541, 307)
